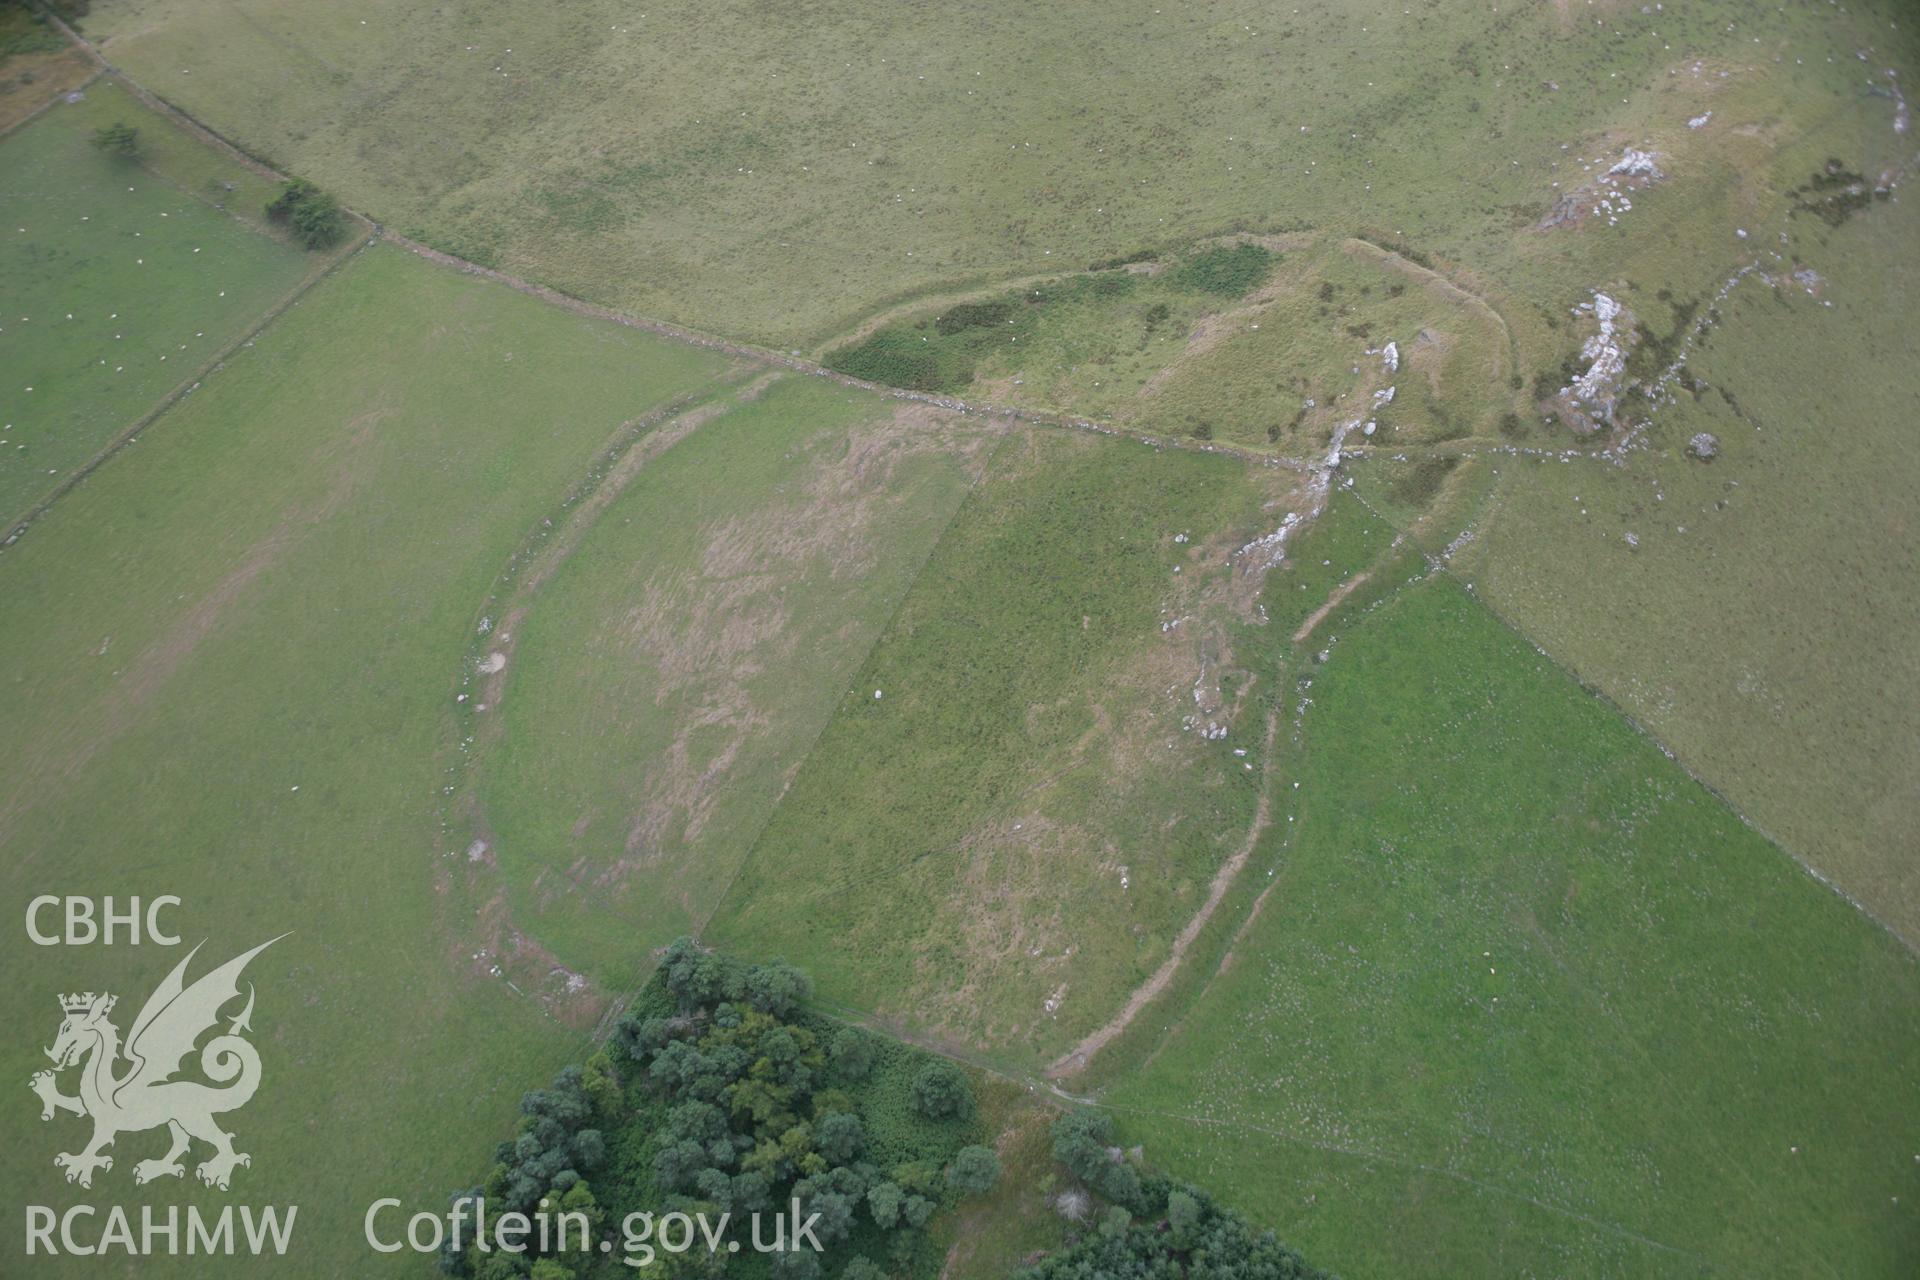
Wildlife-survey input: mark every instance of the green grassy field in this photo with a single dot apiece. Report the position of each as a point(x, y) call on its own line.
point(487, 646)
point(231, 658)
point(1017, 805)
point(1345, 563)
point(671, 677)
point(1523, 999)
point(122, 280)
point(1759, 624)
point(787, 181)
point(776, 177)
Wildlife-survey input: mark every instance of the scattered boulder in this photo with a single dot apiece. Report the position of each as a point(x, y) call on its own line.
point(1589, 403)
point(1704, 446)
point(1636, 164)
point(1608, 193)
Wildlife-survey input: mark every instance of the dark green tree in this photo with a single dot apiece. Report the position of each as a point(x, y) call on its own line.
point(314, 215)
point(852, 1053)
point(1183, 1220)
point(840, 1137)
point(601, 1083)
point(974, 1171)
point(715, 1186)
point(883, 1202)
point(500, 1266)
point(836, 1216)
point(318, 222)
point(118, 139)
point(696, 977)
point(940, 1090)
point(796, 1263)
point(776, 988)
point(750, 1192)
point(1177, 1231)
point(918, 1211)
point(1082, 1141)
point(678, 1166)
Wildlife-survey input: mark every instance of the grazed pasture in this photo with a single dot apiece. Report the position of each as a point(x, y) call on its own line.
point(123, 278)
point(231, 661)
point(1517, 987)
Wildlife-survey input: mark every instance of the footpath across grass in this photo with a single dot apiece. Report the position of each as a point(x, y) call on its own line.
point(1024, 796)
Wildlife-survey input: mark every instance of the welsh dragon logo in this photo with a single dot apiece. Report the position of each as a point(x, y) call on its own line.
point(144, 1095)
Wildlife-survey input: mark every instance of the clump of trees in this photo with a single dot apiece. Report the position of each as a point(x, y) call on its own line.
point(1152, 1227)
point(940, 1091)
point(722, 1093)
point(1834, 194)
point(543, 1167)
point(1083, 1141)
point(764, 1107)
point(119, 139)
point(313, 214)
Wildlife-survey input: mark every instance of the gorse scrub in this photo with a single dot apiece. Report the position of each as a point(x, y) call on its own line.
point(1231, 272)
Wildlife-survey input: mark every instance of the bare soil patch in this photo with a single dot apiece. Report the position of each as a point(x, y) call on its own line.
point(30, 82)
point(708, 635)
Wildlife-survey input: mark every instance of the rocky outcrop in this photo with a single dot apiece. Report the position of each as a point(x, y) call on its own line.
point(1589, 402)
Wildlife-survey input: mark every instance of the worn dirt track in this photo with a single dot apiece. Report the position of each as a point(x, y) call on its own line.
point(1075, 1060)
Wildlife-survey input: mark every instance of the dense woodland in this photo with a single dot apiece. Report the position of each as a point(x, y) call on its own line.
point(720, 1092)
